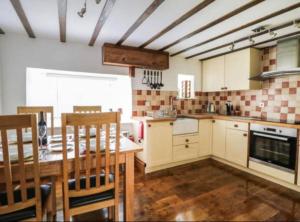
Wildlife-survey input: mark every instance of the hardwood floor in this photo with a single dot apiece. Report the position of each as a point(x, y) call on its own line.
point(209, 190)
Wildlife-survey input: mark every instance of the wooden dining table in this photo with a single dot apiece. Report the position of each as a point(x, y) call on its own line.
point(51, 164)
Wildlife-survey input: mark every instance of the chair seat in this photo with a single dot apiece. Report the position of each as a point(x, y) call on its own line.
point(85, 200)
point(27, 212)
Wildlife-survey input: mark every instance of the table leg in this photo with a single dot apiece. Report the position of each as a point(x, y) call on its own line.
point(129, 187)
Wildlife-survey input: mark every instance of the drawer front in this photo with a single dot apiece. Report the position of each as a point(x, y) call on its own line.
point(237, 125)
point(185, 152)
point(185, 139)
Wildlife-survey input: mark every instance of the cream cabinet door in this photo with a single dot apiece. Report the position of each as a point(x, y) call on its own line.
point(205, 137)
point(213, 74)
point(237, 146)
point(237, 68)
point(159, 143)
point(219, 138)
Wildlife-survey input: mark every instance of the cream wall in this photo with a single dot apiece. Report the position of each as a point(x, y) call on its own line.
point(18, 52)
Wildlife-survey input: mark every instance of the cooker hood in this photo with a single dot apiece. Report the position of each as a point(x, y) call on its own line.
point(288, 60)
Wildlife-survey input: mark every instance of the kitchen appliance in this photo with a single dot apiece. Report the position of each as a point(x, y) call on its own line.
point(211, 108)
point(288, 60)
point(273, 146)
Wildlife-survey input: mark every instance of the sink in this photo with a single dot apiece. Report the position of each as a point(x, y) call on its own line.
point(183, 125)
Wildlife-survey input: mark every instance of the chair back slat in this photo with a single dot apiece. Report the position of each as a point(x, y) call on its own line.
point(98, 154)
point(23, 186)
point(95, 160)
point(107, 153)
point(7, 168)
point(77, 162)
point(36, 110)
point(87, 109)
point(88, 157)
point(17, 123)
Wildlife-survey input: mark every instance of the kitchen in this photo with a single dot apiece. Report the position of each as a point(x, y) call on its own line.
point(206, 104)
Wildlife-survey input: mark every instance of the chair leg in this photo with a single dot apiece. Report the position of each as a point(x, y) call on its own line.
point(110, 213)
point(51, 203)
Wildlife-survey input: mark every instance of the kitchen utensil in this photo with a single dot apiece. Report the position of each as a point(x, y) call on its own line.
point(144, 80)
point(161, 84)
point(148, 80)
point(151, 80)
point(158, 83)
point(155, 80)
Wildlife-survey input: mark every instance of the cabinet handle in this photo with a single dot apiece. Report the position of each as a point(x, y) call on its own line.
point(187, 140)
point(213, 121)
point(245, 134)
point(222, 88)
point(225, 88)
point(186, 146)
point(236, 125)
point(149, 125)
point(171, 124)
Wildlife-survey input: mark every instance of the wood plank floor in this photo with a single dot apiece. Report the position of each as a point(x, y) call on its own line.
point(208, 190)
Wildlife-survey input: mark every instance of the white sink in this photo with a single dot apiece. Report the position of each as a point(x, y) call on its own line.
point(185, 126)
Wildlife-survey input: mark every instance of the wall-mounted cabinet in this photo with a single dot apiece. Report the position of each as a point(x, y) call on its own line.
point(232, 71)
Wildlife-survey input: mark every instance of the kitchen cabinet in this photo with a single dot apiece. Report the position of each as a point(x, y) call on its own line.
point(219, 138)
point(159, 143)
point(213, 71)
point(185, 146)
point(232, 71)
point(237, 146)
point(240, 66)
point(205, 137)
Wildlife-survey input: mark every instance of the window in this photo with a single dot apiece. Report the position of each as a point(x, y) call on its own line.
point(63, 90)
point(186, 86)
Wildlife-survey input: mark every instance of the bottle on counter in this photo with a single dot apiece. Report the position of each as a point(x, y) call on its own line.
point(42, 127)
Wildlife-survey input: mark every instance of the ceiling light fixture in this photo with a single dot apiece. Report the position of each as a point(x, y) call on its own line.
point(296, 24)
point(82, 11)
point(272, 33)
point(251, 40)
point(231, 47)
point(98, 1)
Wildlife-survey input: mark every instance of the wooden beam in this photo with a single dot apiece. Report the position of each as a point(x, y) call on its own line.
point(214, 22)
point(274, 14)
point(184, 17)
point(22, 16)
point(293, 34)
point(2, 32)
point(62, 17)
point(243, 39)
point(128, 56)
point(102, 19)
point(140, 20)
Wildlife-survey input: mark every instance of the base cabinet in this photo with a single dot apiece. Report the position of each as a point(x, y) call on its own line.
point(219, 138)
point(205, 137)
point(237, 146)
point(159, 143)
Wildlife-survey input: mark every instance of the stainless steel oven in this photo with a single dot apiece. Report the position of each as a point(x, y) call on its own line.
point(274, 146)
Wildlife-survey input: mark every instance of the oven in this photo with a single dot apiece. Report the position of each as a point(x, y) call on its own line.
point(274, 146)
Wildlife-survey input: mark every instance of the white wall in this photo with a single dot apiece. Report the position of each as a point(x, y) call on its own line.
point(19, 52)
point(1, 84)
point(178, 65)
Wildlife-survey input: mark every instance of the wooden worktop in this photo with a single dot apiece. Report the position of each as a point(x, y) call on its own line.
point(222, 117)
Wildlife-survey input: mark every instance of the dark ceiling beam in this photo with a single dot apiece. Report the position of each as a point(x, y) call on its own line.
point(274, 14)
point(62, 18)
point(155, 4)
point(22, 16)
point(245, 38)
point(214, 22)
point(102, 19)
point(293, 34)
point(184, 17)
point(2, 32)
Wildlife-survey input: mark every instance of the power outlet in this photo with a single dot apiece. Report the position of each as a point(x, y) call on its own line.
point(262, 105)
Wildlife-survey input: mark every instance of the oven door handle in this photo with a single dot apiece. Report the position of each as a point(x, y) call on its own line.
point(270, 136)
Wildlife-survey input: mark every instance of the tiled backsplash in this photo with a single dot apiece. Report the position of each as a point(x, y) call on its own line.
point(281, 97)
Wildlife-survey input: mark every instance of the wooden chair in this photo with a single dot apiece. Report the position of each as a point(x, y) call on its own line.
point(87, 109)
point(36, 110)
point(25, 202)
point(92, 183)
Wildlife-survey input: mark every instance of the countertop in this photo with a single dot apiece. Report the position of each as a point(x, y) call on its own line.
point(222, 117)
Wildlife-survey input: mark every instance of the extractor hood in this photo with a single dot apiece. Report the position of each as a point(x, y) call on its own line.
point(288, 60)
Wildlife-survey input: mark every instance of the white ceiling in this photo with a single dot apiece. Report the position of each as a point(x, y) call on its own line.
point(43, 18)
